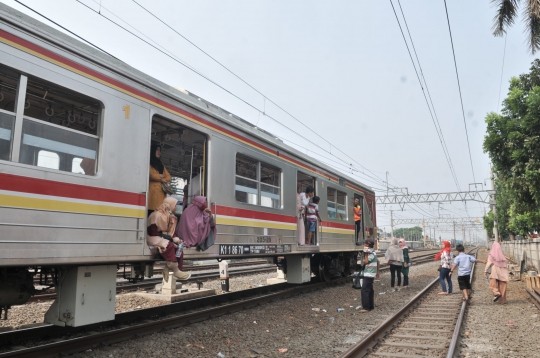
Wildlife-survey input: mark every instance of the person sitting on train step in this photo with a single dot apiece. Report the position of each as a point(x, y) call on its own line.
point(161, 236)
point(158, 175)
point(197, 227)
point(313, 217)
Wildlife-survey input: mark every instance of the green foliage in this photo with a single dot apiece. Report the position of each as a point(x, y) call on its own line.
point(513, 144)
point(410, 234)
point(488, 223)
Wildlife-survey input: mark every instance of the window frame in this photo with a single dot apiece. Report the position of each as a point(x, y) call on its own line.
point(258, 181)
point(17, 131)
point(335, 202)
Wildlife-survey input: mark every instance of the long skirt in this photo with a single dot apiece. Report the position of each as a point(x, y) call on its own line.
point(170, 255)
point(498, 288)
point(301, 231)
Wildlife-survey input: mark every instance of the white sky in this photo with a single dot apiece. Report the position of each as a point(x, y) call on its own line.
point(340, 67)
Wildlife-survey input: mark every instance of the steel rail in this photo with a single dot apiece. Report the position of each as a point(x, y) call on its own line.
point(364, 346)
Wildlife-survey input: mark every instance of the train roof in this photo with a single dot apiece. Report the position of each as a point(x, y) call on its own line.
point(102, 59)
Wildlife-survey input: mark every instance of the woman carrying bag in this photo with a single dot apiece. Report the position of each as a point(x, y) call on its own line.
point(406, 262)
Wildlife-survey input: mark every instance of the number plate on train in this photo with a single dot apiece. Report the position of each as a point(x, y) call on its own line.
point(253, 249)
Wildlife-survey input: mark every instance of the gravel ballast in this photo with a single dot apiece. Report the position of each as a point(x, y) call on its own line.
point(495, 330)
point(283, 328)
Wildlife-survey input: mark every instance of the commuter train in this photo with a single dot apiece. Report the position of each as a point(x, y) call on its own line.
point(76, 126)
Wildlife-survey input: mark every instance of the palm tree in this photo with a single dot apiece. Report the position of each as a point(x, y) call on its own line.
point(506, 14)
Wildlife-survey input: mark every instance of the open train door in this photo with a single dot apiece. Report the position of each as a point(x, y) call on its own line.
point(358, 224)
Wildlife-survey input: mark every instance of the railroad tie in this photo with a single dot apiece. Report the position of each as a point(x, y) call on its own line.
point(402, 336)
point(400, 355)
point(422, 329)
point(411, 345)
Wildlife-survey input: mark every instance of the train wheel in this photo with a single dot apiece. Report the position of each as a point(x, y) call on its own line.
point(323, 273)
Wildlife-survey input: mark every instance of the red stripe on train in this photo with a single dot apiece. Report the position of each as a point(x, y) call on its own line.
point(252, 214)
point(66, 190)
point(337, 225)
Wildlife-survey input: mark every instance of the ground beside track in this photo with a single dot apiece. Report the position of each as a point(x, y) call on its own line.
point(500, 331)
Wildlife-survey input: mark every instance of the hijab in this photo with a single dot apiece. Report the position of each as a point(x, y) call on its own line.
point(195, 223)
point(496, 255)
point(402, 241)
point(394, 252)
point(162, 217)
point(446, 248)
point(155, 162)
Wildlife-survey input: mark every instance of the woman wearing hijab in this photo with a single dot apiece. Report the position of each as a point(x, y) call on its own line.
point(499, 273)
point(197, 225)
point(406, 262)
point(158, 175)
point(161, 238)
point(394, 255)
point(300, 209)
point(446, 257)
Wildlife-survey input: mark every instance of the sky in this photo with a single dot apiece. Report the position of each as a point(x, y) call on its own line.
point(341, 68)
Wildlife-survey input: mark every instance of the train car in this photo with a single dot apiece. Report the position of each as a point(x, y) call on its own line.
point(76, 126)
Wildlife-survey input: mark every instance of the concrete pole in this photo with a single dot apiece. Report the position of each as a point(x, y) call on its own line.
point(495, 227)
point(391, 223)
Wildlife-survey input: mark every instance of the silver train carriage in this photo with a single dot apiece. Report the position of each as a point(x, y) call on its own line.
point(76, 128)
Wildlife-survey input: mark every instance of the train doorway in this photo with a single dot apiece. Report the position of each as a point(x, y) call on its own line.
point(358, 211)
point(305, 181)
point(183, 155)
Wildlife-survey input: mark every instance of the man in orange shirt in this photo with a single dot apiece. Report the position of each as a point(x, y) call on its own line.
point(357, 209)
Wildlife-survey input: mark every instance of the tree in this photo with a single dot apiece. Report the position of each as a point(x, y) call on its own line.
point(412, 233)
point(507, 12)
point(513, 143)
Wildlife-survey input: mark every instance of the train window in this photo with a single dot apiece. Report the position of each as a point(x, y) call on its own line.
point(270, 191)
point(48, 160)
point(9, 81)
point(336, 204)
point(246, 189)
point(257, 183)
point(62, 121)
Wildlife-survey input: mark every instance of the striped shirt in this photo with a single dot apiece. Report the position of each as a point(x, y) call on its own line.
point(312, 211)
point(371, 268)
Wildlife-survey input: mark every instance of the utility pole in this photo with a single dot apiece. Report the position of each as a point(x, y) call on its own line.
point(495, 229)
point(454, 233)
point(391, 220)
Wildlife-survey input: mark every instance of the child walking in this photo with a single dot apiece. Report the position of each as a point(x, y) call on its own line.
point(312, 217)
point(464, 261)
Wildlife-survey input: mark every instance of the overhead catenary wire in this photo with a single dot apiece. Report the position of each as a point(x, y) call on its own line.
point(459, 88)
point(439, 134)
point(502, 72)
point(172, 56)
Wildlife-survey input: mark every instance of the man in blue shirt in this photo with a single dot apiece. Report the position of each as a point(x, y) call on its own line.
point(464, 261)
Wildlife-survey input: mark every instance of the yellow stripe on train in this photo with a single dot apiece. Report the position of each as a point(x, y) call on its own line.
point(254, 223)
point(22, 202)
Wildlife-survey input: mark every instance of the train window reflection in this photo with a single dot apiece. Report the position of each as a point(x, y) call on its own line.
point(336, 204)
point(257, 183)
point(48, 159)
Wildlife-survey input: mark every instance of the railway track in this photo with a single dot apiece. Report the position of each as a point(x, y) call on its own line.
point(129, 324)
point(426, 326)
point(152, 282)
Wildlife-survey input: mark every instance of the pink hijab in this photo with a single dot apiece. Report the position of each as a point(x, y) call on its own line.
point(195, 223)
point(402, 241)
point(496, 255)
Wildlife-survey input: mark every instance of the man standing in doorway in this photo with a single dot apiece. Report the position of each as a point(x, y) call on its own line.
point(357, 210)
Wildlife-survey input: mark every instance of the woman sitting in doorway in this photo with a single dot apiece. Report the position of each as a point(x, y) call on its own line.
point(161, 236)
point(197, 227)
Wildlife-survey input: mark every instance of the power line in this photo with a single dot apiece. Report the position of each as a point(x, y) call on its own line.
point(172, 56)
point(459, 87)
point(63, 28)
point(439, 134)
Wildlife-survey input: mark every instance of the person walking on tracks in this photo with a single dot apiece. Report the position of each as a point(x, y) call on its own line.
point(464, 261)
point(406, 262)
point(371, 272)
point(394, 255)
point(499, 273)
point(446, 257)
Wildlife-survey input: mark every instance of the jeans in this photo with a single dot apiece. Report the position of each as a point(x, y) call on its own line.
point(395, 269)
point(405, 279)
point(367, 294)
point(445, 274)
